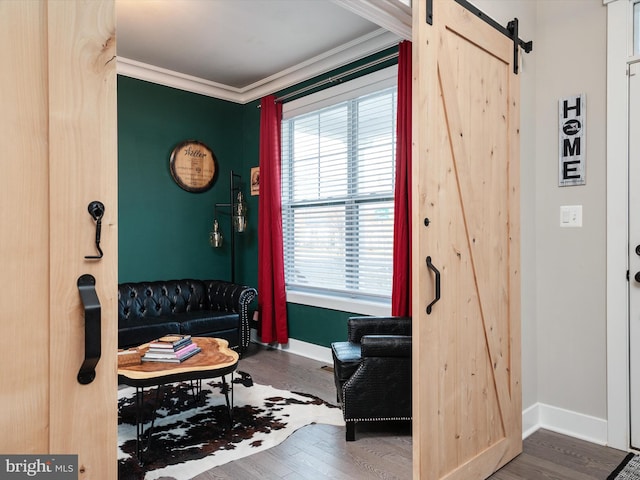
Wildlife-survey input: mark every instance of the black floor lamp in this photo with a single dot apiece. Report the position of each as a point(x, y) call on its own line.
point(237, 211)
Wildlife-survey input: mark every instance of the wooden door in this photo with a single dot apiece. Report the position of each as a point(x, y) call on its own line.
point(58, 141)
point(467, 392)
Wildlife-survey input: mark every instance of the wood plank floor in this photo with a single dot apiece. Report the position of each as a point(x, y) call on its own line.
point(384, 451)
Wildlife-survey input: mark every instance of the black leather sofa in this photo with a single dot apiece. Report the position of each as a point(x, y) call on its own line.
point(372, 371)
point(201, 308)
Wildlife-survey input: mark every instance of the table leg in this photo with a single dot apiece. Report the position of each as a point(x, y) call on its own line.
point(196, 391)
point(231, 408)
point(225, 389)
point(139, 422)
point(140, 419)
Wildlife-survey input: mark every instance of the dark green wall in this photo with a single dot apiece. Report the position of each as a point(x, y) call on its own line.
point(164, 230)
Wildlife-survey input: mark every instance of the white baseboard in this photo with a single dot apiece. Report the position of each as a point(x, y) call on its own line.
point(298, 347)
point(530, 420)
point(535, 417)
point(566, 422)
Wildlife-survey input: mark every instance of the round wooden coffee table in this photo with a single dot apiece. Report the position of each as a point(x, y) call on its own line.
point(215, 360)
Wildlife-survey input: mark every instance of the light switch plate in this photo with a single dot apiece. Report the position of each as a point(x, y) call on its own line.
point(571, 215)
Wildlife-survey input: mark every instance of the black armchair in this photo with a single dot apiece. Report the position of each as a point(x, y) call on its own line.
point(372, 370)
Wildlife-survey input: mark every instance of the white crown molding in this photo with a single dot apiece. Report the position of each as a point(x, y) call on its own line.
point(170, 78)
point(338, 57)
point(392, 15)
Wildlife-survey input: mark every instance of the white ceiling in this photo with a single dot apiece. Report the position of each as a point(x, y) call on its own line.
point(240, 50)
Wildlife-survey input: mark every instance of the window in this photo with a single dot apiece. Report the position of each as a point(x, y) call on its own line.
point(338, 157)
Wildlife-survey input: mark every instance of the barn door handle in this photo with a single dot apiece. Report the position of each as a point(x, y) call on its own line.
point(430, 266)
point(92, 337)
point(96, 210)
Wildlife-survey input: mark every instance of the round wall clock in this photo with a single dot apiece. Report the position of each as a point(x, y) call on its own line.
point(193, 166)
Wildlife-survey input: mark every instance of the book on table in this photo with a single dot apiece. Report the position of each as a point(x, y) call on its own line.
point(180, 350)
point(177, 358)
point(171, 342)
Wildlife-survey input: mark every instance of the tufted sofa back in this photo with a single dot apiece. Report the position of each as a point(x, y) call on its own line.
point(149, 310)
point(141, 300)
point(137, 301)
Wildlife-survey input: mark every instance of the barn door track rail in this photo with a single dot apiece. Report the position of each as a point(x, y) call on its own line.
point(511, 30)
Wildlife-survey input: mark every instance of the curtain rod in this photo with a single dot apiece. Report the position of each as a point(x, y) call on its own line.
point(337, 77)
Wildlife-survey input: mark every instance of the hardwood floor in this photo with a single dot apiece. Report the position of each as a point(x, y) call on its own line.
point(384, 451)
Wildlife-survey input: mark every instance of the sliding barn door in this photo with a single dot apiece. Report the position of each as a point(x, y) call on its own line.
point(467, 392)
point(58, 142)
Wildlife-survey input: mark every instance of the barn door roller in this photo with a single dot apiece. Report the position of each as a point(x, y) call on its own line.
point(511, 30)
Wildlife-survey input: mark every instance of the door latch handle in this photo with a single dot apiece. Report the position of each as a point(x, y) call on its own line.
point(96, 210)
point(432, 267)
point(92, 335)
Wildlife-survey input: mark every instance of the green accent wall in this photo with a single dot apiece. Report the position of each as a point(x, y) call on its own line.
point(164, 230)
point(317, 325)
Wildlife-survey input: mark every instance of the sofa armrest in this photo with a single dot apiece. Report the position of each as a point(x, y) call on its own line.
point(225, 296)
point(357, 327)
point(385, 346)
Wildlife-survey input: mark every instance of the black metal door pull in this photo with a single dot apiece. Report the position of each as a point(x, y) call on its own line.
point(431, 267)
point(96, 210)
point(92, 335)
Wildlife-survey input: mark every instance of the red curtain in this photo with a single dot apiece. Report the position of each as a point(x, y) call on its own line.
point(272, 301)
point(401, 289)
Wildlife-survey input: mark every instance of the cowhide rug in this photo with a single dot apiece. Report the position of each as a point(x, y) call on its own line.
point(190, 438)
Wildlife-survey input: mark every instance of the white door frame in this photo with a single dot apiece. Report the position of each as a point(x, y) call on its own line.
point(619, 35)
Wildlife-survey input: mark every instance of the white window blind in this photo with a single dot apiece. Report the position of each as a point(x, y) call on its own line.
point(337, 197)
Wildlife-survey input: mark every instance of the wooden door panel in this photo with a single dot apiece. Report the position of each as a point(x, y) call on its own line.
point(24, 235)
point(467, 176)
point(59, 145)
point(83, 168)
point(483, 195)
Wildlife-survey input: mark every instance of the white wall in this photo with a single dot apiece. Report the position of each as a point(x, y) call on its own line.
point(563, 269)
point(571, 275)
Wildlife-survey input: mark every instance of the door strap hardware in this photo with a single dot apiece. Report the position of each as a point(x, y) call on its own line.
point(92, 336)
point(96, 210)
point(431, 267)
point(512, 27)
point(511, 30)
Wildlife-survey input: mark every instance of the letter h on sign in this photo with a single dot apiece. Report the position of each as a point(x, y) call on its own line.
point(571, 136)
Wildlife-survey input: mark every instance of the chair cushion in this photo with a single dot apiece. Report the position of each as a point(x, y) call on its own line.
point(346, 359)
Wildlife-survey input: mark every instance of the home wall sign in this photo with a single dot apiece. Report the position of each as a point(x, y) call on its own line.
point(572, 112)
point(193, 166)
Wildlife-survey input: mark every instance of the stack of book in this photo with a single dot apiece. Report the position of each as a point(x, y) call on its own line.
point(171, 348)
